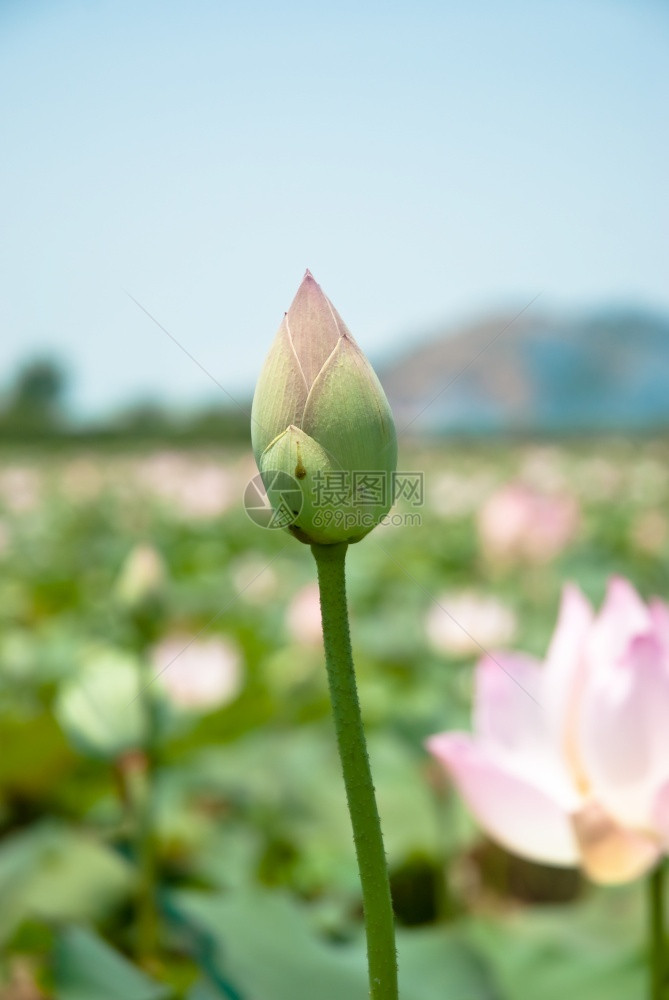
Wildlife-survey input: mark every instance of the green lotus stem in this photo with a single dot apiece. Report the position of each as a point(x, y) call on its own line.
point(138, 772)
point(137, 779)
point(377, 904)
point(147, 911)
point(657, 933)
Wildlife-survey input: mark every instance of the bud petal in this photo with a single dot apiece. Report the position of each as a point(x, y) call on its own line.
point(302, 458)
point(348, 413)
point(314, 328)
point(280, 395)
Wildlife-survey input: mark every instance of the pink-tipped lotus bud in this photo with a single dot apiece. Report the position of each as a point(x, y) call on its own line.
point(321, 416)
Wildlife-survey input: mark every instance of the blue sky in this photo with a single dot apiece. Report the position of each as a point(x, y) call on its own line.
point(428, 162)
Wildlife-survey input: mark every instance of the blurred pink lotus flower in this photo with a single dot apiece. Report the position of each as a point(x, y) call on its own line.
point(194, 488)
point(20, 489)
point(569, 761)
point(201, 674)
point(303, 617)
point(463, 623)
point(517, 523)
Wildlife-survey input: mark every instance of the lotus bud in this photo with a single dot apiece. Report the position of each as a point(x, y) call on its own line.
point(321, 417)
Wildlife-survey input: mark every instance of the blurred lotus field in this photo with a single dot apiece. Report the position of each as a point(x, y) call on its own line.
point(172, 811)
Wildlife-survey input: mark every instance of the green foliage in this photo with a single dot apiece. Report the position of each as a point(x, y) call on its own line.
point(592, 950)
point(256, 881)
point(262, 944)
point(84, 966)
point(52, 873)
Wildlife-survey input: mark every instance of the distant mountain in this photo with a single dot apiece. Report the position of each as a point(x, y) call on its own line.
point(606, 370)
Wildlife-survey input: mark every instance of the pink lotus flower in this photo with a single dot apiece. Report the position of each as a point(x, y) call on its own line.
point(198, 674)
point(20, 489)
point(196, 488)
point(303, 616)
point(569, 761)
point(517, 523)
point(461, 624)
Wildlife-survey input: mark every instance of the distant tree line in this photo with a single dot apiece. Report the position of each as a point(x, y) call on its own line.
point(33, 409)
